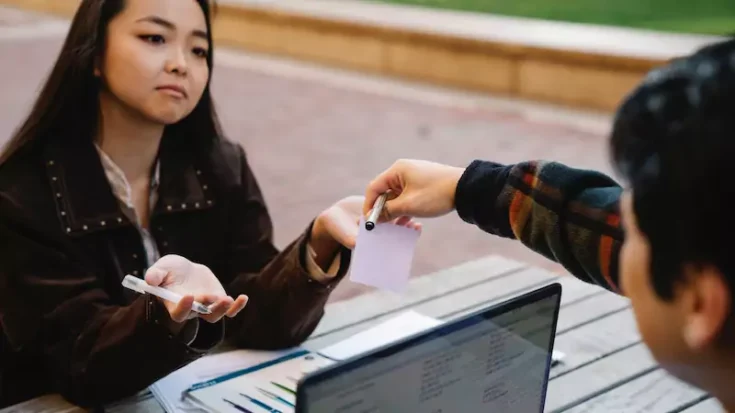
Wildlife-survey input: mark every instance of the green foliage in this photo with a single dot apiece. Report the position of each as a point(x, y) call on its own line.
point(704, 16)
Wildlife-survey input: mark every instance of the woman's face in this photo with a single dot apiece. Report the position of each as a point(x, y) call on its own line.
point(155, 61)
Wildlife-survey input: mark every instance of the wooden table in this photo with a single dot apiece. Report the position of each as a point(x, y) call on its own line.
point(607, 368)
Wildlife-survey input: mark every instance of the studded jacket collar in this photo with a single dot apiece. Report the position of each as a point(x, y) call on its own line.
point(181, 186)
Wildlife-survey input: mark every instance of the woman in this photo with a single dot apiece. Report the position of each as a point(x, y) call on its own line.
point(120, 169)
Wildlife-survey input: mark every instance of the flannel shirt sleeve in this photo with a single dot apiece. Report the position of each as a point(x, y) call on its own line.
point(568, 215)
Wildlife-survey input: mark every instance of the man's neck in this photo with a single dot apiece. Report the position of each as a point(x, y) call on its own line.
point(721, 385)
point(131, 141)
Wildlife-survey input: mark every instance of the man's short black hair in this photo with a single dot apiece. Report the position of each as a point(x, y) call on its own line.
point(673, 140)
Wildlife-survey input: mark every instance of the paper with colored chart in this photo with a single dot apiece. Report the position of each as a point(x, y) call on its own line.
point(169, 390)
point(268, 387)
point(272, 382)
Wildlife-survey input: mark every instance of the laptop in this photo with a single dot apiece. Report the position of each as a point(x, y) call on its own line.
point(494, 360)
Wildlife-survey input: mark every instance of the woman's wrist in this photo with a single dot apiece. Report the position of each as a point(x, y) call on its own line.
point(324, 245)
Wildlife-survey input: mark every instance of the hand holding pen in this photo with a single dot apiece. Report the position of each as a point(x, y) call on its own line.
point(376, 211)
point(376, 214)
point(194, 283)
point(412, 188)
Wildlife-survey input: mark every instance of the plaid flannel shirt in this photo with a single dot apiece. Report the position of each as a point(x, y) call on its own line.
point(568, 215)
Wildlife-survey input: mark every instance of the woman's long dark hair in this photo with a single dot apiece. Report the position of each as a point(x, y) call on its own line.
point(68, 105)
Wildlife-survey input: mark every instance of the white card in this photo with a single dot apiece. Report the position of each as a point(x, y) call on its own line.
point(397, 328)
point(383, 256)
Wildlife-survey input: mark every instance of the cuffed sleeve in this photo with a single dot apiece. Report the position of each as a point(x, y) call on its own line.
point(569, 215)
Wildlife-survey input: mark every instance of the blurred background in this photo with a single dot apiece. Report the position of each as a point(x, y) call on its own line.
point(319, 122)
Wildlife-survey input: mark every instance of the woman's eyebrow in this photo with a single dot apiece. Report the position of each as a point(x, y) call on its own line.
point(171, 26)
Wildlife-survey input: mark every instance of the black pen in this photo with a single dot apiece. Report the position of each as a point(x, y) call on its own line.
point(377, 210)
point(237, 406)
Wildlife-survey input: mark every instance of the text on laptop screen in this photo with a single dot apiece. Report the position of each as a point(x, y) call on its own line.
point(478, 365)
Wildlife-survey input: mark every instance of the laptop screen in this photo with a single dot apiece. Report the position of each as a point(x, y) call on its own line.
point(497, 360)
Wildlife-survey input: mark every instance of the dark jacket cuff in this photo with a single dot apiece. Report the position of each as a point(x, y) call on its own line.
point(345, 255)
point(207, 336)
point(478, 192)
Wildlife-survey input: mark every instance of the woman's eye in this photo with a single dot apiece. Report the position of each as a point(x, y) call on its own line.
point(153, 38)
point(201, 52)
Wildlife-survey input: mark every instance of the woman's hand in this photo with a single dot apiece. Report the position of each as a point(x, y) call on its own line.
point(194, 282)
point(339, 225)
point(417, 189)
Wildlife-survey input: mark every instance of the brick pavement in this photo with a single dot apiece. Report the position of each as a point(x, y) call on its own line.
point(312, 142)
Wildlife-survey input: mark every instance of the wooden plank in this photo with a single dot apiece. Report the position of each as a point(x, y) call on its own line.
point(448, 306)
point(579, 385)
point(593, 341)
point(575, 306)
point(51, 403)
point(595, 306)
point(653, 392)
point(706, 406)
point(439, 305)
point(371, 305)
point(483, 295)
point(572, 290)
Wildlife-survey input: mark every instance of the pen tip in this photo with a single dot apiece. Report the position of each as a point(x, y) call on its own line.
point(369, 226)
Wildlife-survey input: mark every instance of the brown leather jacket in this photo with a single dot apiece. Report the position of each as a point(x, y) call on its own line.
point(69, 327)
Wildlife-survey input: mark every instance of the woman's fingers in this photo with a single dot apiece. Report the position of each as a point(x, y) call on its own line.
point(408, 222)
point(218, 305)
point(180, 312)
point(219, 308)
point(402, 221)
point(237, 306)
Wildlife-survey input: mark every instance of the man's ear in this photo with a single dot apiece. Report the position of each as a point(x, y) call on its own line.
point(706, 304)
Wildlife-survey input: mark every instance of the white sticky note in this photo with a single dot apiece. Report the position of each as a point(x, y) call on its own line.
point(397, 328)
point(382, 257)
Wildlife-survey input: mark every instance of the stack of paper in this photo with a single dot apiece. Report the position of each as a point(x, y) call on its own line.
point(270, 386)
point(169, 390)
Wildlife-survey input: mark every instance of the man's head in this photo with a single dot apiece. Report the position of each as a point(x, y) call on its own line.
point(674, 142)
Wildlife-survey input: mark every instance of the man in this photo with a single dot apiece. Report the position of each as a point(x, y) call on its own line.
point(674, 142)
